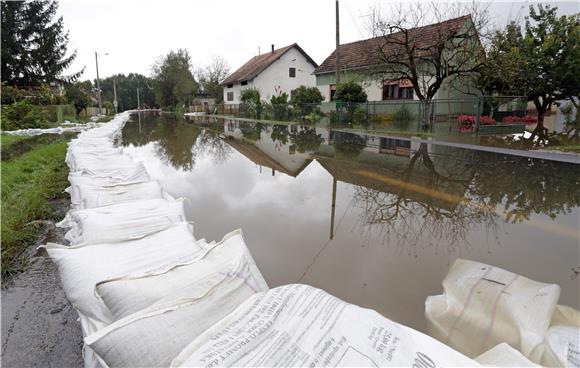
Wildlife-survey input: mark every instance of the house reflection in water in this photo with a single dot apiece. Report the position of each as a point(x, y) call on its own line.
point(402, 168)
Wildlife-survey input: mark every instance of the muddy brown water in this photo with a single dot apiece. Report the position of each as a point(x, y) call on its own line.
point(374, 221)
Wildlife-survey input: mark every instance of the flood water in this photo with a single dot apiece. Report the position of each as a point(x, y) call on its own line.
point(374, 221)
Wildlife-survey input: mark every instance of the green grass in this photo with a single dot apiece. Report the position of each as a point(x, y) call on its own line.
point(30, 182)
point(573, 148)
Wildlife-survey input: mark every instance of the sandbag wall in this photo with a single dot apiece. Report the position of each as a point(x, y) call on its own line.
point(149, 294)
point(133, 264)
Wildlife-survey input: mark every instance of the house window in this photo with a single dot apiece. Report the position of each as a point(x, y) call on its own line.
point(244, 83)
point(230, 96)
point(292, 72)
point(231, 85)
point(397, 90)
point(332, 91)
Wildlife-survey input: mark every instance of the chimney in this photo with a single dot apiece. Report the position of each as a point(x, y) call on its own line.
point(272, 48)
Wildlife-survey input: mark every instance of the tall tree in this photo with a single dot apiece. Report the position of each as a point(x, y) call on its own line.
point(212, 75)
point(34, 44)
point(173, 81)
point(127, 90)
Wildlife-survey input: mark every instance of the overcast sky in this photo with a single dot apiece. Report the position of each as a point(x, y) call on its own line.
point(136, 32)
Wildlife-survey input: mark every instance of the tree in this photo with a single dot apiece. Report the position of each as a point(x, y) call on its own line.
point(127, 90)
point(445, 51)
point(541, 61)
point(79, 94)
point(212, 75)
point(34, 44)
point(173, 81)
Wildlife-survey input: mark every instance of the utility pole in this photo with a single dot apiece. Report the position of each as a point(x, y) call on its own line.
point(99, 82)
point(337, 45)
point(115, 93)
point(138, 103)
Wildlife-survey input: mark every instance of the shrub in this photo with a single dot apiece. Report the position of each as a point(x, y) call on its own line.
point(520, 120)
point(251, 102)
point(305, 100)
point(350, 92)
point(468, 122)
point(280, 105)
point(402, 117)
point(23, 115)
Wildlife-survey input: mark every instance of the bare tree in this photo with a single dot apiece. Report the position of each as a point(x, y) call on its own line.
point(429, 45)
point(211, 75)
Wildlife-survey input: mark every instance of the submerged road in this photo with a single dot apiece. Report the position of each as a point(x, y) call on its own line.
point(39, 325)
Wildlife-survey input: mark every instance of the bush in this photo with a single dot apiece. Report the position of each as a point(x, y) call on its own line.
point(350, 92)
point(23, 115)
point(402, 117)
point(251, 102)
point(359, 115)
point(305, 100)
point(280, 106)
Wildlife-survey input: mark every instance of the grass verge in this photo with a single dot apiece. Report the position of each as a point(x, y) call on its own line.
point(30, 184)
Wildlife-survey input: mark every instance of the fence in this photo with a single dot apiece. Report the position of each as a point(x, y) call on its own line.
point(449, 116)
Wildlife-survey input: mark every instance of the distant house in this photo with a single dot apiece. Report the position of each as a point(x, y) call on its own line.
point(280, 70)
point(358, 58)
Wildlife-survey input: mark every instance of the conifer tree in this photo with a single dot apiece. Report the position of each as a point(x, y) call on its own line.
point(34, 44)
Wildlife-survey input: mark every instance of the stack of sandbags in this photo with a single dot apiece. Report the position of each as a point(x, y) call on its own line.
point(133, 264)
point(483, 306)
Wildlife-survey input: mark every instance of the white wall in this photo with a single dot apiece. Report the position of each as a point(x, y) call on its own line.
point(277, 75)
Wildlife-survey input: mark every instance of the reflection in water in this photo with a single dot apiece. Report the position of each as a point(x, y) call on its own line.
point(345, 202)
point(177, 144)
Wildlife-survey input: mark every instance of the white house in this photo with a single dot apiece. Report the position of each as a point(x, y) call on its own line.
point(280, 70)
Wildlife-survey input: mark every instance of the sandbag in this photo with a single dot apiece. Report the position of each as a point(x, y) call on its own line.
point(95, 164)
point(137, 174)
point(200, 294)
point(118, 173)
point(504, 355)
point(299, 325)
point(92, 196)
point(82, 268)
point(562, 347)
point(124, 221)
point(483, 306)
point(76, 156)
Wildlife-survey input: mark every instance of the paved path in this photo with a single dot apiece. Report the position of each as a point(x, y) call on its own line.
point(571, 158)
point(39, 325)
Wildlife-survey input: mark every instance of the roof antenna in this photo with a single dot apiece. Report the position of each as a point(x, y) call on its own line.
point(259, 51)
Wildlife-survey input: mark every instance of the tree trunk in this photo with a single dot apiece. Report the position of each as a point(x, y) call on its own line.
point(542, 107)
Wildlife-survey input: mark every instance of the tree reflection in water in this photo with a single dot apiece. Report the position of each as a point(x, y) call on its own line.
point(306, 140)
point(424, 205)
point(177, 144)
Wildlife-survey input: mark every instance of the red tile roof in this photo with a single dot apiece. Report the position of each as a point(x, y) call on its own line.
point(366, 53)
point(259, 63)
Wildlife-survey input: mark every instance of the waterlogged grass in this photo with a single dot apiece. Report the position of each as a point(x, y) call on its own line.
point(30, 184)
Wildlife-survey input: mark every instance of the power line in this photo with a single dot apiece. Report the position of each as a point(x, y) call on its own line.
point(353, 20)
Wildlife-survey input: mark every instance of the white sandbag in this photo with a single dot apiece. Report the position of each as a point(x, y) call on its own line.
point(124, 221)
point(92, 197)
point(504, 355)
point(82, 268)
point(73, 156)
point(137, 174)
point(115, 172)
point(298, 325)
point(483, 306)
point(562, 347)
point(230, 256)
point(98, 163)
point(562, 343)
point(201, 293)
point(565, 316)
